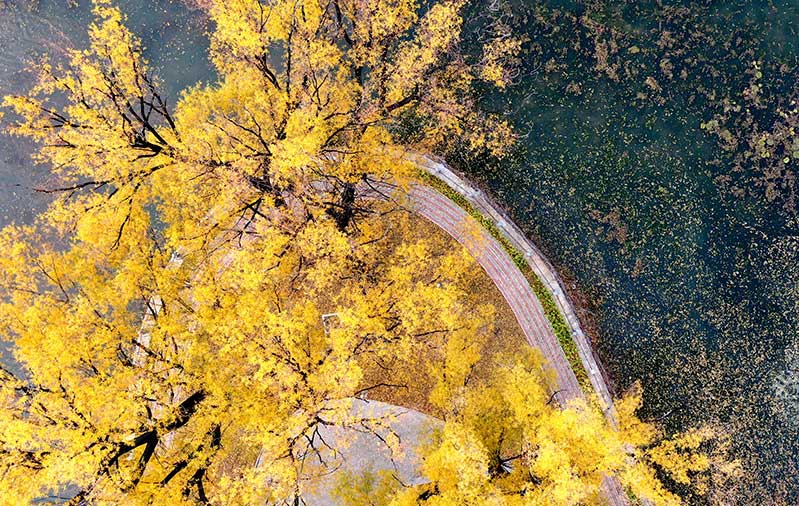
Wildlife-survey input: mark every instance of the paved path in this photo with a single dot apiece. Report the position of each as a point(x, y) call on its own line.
point(509, 280)
point(360, 451)
point(516, 290)
point(537, 262)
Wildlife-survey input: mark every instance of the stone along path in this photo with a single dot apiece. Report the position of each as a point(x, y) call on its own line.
point(516, 290)
point(537, 262)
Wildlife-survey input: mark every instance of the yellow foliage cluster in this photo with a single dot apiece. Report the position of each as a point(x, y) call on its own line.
point(505, 442)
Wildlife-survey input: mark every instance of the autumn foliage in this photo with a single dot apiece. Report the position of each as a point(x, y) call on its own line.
point(214, 279)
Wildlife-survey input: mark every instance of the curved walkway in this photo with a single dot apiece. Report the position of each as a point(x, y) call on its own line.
point(506, 276)
point(516, 290)
point(537, 262)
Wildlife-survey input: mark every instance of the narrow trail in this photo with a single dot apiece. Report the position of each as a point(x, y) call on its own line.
point(516, 290)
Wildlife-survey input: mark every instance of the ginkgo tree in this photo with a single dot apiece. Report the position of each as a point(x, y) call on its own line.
point(214, 279)
point(255, 183)
point(506, 442)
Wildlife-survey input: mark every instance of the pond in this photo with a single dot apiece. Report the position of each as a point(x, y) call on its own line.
point(689, 261)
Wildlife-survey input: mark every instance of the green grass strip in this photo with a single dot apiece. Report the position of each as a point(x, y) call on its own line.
point(551, 311)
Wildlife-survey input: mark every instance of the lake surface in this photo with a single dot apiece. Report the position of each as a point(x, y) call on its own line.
point(691, 270)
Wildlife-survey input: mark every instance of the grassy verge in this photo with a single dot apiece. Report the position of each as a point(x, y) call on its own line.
point(551, 311)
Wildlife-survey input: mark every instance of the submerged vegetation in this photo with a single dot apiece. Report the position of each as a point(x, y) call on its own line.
point(657, 163)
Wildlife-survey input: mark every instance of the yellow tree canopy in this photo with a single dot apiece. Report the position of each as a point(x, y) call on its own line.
point(506, 442)
point(240, 359)
point(308, 92)
point(211, 281)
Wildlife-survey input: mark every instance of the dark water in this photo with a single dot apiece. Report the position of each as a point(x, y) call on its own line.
point(692, 269)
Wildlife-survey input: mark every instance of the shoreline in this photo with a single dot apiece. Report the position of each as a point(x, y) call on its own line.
point(582, 324)
point(585, 309)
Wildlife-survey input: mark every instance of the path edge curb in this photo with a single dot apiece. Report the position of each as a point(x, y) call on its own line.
point(535, 259)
